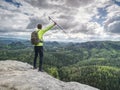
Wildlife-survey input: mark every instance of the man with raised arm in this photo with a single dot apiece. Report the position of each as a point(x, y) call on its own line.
point(38, 48)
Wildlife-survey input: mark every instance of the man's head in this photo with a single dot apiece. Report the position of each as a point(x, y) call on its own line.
point(39, 26)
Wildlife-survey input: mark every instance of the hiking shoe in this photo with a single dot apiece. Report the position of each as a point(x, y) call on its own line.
point(40, 70)
point(34, 67)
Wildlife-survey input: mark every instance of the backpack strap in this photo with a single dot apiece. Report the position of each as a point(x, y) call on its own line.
point(39, 39)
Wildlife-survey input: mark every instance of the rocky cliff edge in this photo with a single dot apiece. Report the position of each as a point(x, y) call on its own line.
point(15, 75)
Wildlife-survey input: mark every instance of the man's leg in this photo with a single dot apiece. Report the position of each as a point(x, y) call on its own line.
point(35, 56)
point(41, 58)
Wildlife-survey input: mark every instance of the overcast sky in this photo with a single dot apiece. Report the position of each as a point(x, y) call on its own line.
point(82, 20)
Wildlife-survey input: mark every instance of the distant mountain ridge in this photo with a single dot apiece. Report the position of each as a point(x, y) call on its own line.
point(99, 44)
point(88, 45)
point(9, 40)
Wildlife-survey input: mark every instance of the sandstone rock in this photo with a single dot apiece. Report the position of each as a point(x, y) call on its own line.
point(15, 75)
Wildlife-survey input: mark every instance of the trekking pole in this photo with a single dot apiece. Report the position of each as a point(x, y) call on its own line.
point(58, 25)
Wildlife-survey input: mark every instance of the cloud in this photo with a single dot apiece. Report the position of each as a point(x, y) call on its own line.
point(38, 3)
point(34, 21)
point(114, 27)
point(23, 35)
point(81, 19)
point(118, 0)
point(78, 3)
point(112, 23)
point(13, 21)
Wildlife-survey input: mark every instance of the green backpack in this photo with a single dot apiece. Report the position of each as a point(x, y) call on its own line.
point(34, 38)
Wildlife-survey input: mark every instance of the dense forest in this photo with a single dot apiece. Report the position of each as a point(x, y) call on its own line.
point(95, 63)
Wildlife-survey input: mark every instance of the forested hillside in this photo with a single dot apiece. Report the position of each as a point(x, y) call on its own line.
point(93, 63)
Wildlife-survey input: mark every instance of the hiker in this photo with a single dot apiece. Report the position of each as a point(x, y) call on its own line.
point(38, 48)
